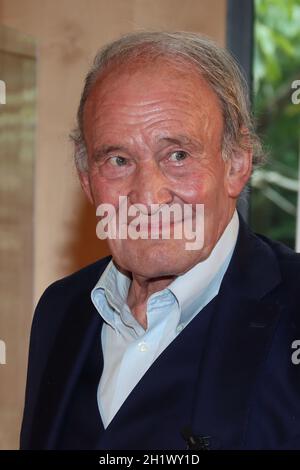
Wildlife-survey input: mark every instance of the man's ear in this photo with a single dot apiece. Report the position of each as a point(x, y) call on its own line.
point(86, 185)
point(239, 168)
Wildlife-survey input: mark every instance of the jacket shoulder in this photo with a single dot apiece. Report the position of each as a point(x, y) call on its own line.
point(288, 292)
point(79, 280)
point(64, 294)
point(288, 259)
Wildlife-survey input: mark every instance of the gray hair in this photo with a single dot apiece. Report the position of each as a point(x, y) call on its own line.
point(214, 63)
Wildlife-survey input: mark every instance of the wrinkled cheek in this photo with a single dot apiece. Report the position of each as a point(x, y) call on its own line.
point(104, 193)
point(197, 193)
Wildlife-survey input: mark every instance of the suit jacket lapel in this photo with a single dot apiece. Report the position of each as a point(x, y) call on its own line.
point(241, 331)
point(80, 325)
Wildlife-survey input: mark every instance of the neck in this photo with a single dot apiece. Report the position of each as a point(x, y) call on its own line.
point(139, 292)
point(142, 288)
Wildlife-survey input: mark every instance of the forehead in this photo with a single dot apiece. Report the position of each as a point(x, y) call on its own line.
point(164, 94)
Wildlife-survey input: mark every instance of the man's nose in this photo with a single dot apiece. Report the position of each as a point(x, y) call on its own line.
point(150, 186)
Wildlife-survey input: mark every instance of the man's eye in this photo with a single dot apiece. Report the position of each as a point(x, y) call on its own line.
point(178, 156)
point(118, 161)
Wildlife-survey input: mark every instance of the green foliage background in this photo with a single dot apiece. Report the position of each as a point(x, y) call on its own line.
point(276, 66)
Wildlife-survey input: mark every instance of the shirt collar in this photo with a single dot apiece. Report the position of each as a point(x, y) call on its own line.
point(115, 284)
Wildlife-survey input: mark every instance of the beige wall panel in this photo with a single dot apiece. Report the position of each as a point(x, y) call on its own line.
point(17, 124)
point(205, 16)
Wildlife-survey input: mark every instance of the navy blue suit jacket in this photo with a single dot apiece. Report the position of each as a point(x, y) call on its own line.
point(245, 392)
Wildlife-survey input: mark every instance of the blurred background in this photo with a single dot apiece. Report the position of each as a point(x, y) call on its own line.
point(47, 229)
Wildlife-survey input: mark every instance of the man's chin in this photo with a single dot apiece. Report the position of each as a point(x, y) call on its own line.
point(153, 271)
point(159, 261)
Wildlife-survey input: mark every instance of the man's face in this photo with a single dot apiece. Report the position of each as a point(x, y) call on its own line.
point(155, 135)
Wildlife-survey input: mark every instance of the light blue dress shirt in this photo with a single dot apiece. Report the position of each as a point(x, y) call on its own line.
point(128, 349)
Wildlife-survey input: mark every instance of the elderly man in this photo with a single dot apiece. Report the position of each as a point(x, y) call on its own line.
point(160, 346)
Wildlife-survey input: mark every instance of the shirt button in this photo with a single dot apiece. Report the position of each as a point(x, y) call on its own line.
point(143, 347)
point(179, 328)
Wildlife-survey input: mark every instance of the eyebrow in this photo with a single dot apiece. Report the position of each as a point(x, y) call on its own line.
point(106, 149)
point(182, 140)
